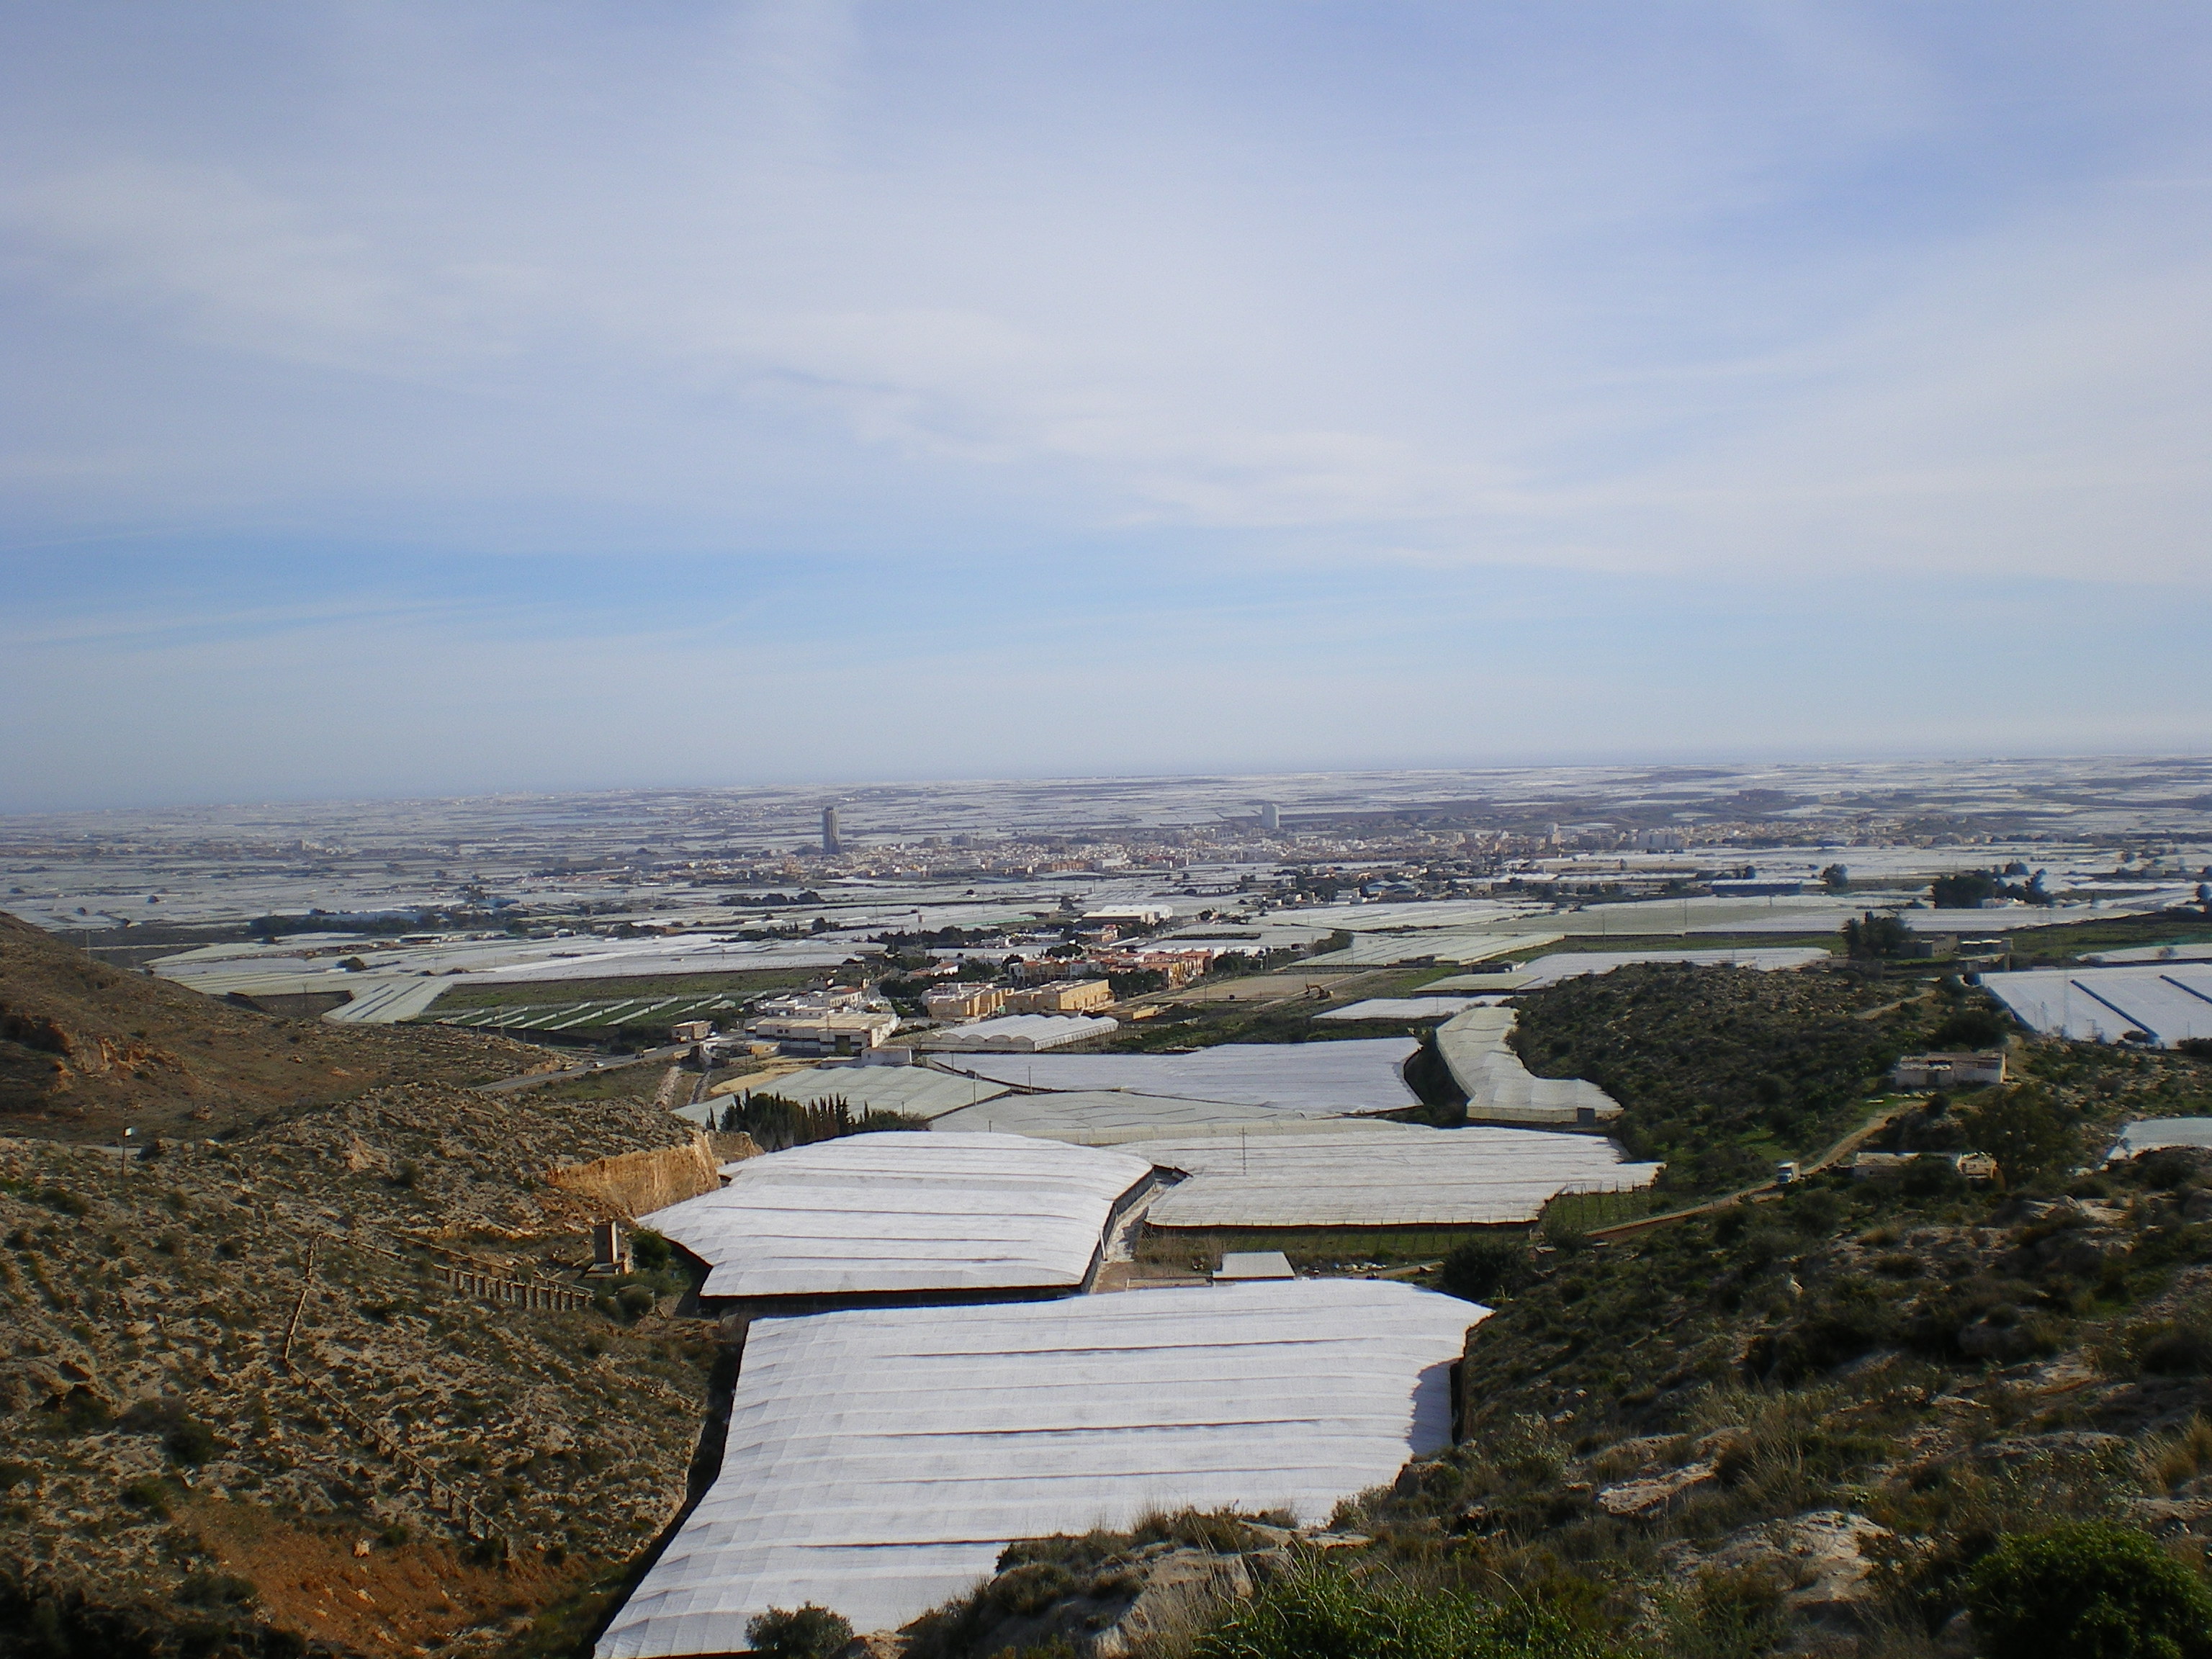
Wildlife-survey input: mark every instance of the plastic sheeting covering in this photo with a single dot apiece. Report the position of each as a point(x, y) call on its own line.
point(1384, 950)
point(1382, 1175)
point(1499, 1086)
point(905, 1212)
point(2149, 1134)
point(1363, 1074)
point(1018, 1034)
point(878, 1461)
point(2167, 1002)
point(1401, 1008)
point(1573, 964)
point(914, 1090)
point(1101, 1117)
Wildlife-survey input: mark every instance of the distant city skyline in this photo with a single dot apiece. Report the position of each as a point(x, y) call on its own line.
point(418, 400)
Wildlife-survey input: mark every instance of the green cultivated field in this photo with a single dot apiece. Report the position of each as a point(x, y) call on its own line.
point(1311, 1249)
point(594, 1014)
point(557, 1006)
point(2039, 944)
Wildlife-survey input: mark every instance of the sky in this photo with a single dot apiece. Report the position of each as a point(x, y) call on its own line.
point(432, 398)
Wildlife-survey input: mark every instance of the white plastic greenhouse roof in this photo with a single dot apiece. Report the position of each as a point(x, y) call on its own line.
point(1500, 1088)
point(1361, 1074)
point(878, 1461)
point(1423, 1007)
point(1382, 1175)
point(1018, 1033)
point(1573, 964)
point(915, 1090)
point(2170, 1001)
point(878, 1214)
point(1375, 949)
point(1106, 1117)
point(2149, 1134)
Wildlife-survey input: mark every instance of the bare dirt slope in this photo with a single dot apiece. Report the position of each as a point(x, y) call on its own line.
point(86, 1050)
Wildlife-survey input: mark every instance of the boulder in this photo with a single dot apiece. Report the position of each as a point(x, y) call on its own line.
point(1819, 1559)
point(1654, 1495)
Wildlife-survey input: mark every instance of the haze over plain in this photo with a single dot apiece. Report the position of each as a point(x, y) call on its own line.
point(406, 397)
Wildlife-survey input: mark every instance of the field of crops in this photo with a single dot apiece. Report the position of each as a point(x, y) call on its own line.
point(599, 1014)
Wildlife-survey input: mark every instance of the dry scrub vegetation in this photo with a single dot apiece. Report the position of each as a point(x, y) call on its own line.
point(246, 1407)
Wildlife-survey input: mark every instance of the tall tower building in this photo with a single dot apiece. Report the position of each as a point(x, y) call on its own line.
point(1271, 817)
point(830, 844)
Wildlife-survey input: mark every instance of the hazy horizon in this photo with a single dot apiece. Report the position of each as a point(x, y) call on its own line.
point(2053, 787)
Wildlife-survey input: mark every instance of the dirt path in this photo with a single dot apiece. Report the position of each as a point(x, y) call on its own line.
point(1765, 1189)
point(536, 1079)
point(1892, 1007)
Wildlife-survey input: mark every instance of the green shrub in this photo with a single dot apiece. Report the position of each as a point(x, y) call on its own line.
point(650, 1250)
point(191, 1441)
point(2168, 1168)
point(805, 1632)
point(636, 1301)
point(1970, 1028)
point(2088, 1589)
point(1705, 1060)
point(1026, 1591)
point(204, 1588)
point(1484, 1268)
point(2025, 1130)
point(185, 1438)
point(2179, 1350)
point(148, 1494)
point(1323, 1613)
point(84, 1412)
point(1563, 1235)
point(1929, 1176)
point(1222, 1531)
point(1725, 1615)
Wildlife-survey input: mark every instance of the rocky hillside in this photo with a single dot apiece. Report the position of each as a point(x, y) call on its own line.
point(334, 1381)
point(86, 1050)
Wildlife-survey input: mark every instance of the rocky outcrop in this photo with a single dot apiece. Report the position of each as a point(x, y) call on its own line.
point(1107, 1596)
point(1654, 1495)
point(638, 1184)
point(1822, 1561)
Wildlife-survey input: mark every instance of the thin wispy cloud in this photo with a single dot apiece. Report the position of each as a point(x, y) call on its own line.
point(876, 309)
